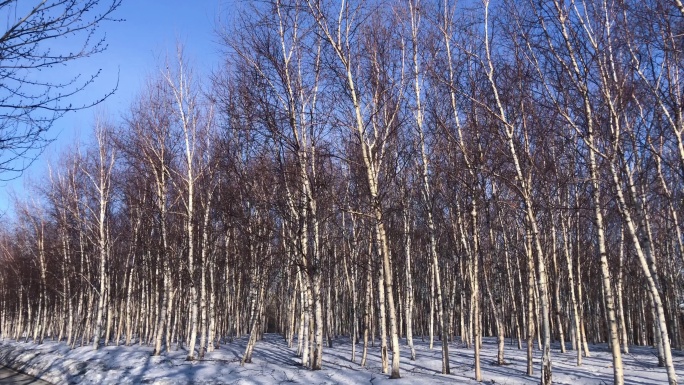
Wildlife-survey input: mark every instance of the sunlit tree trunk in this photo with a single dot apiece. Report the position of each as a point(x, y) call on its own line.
point(408, 307)
point(101, 180)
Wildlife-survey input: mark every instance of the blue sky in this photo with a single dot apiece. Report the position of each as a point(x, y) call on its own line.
point(137, 45)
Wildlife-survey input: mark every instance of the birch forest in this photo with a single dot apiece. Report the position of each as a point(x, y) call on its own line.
point(385, 171)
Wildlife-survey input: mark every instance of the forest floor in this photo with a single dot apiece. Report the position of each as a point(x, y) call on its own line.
point(275, 363)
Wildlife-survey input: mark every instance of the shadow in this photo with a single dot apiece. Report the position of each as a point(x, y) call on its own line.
point(275, 363)
point(13, 377)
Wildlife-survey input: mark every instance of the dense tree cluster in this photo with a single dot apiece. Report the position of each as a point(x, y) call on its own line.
point(378, 170)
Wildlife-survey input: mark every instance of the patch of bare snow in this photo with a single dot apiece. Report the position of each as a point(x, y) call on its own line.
point(275, 363)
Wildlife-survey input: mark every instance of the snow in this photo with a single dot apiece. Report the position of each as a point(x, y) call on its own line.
point(275, 363)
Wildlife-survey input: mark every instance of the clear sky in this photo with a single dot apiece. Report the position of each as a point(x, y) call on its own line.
point(149, 33)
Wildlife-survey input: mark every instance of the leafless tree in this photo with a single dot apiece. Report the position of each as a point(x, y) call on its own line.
point(29, 48)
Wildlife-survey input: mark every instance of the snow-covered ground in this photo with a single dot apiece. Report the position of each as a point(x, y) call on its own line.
point(275, 363)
